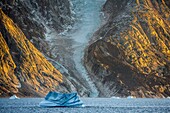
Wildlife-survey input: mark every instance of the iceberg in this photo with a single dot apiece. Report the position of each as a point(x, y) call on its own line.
point(14, 97)
point(113, 97)
point(130, 97)
point(54, 99)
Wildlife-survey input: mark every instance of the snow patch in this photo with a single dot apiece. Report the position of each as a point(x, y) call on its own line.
point(19, 85)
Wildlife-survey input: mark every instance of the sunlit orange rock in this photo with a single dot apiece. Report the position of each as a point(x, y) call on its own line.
point(22, 63)
point(131, 52)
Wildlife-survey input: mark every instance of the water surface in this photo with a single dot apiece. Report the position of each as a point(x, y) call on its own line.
point(92, 105)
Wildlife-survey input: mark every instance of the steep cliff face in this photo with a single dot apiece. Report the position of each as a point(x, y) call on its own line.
point(24, 70)
point(130, 54)
point(35, 16)
point(38, 20)
point(8, 79)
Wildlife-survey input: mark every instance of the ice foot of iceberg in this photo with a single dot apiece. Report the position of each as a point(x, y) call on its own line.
point(54, 99)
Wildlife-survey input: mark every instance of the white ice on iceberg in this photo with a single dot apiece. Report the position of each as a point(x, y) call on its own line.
point(129, 97)
point(14, 97)
point(115, 97)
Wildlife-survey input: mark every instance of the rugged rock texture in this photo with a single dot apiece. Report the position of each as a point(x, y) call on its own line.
point(36, 19)
point(34, 16)
point(8, 79)
point(130, 54)
point(24, 70)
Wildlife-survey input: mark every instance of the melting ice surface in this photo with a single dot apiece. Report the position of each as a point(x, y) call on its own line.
point(89, 11)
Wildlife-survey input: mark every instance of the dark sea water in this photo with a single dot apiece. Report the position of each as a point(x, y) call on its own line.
point(92, 105)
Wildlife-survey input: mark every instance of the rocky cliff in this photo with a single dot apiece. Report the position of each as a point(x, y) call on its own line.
point(40, 22)
point(22, 64)
point(130, 53)
point(34, 17)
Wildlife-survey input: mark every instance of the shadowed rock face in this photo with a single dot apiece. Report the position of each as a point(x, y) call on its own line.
point(131, 54)
point(24, 70)
point(32, 17)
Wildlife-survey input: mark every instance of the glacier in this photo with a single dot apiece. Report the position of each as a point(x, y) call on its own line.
point(89, 11)
point(87, 18)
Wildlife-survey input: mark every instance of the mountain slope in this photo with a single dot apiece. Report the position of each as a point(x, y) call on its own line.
point(22, 63)
point(36, 17)
point(8, 78)
point(131, 52)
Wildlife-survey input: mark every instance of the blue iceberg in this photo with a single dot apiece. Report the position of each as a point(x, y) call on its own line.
point(54, 99)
